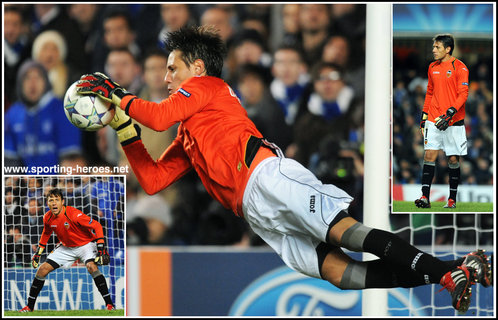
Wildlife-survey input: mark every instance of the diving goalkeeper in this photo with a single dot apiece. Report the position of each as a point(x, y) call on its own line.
point(304, 221)
point(81, 238)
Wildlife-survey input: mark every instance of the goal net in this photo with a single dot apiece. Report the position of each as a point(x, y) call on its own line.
point(72, 288)
point(448, 237)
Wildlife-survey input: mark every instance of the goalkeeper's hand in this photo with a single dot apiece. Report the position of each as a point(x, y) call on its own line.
point(126, 130)
point(102, 255)
point(35, 260)
point(443, 121)
point(422, 122)
point(99, 84)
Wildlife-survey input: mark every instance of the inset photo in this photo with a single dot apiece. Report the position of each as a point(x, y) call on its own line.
point(442, 110)
point(64, 250)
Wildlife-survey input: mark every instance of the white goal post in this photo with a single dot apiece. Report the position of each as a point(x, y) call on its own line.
point(377, 136)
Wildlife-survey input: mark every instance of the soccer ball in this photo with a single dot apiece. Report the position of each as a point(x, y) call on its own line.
point(87, 112)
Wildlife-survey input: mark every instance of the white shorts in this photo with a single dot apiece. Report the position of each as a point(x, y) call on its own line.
point(453, 140)
point(66, 256)
point(291, 210)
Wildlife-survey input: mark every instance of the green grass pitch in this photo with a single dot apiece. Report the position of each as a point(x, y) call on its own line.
point(70, 313)
point(473, 207)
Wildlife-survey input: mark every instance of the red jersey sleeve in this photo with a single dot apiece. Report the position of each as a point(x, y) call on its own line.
point(152, 175)
point(188, 100)
point(462, 84)
point(429, 92)
point(47, 231)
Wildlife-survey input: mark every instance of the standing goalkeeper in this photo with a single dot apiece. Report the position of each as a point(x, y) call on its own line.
point(442, 117)
point(304, 221)
point(77, 233)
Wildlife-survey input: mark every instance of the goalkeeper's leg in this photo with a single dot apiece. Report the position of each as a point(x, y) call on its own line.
point(38, 282)
point(100, 282)
point(346, 273)
point(454, 175)
point(428, 171)
point(351, 234)
point(398, 253)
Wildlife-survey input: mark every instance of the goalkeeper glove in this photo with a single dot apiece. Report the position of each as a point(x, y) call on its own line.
point(99, 84)
point(127, 131)
point(422, 122)
point(443, 121)
point(102, 255)
point(35, 261)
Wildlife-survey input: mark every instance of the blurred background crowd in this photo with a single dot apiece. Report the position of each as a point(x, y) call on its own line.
point(102, 198)
point(298, 69)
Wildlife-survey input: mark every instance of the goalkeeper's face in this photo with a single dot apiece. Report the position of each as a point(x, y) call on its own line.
point(55, 204)
point(439, 51)
point(178, 71)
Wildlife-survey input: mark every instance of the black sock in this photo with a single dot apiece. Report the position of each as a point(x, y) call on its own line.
point(381, 274)
point(400, 253)
point(427, 176)
point(454, 174)
point(35, 289)
point(102, 286)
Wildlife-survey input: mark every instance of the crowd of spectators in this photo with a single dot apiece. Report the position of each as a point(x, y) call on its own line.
point(102, 198)
point(298, 69)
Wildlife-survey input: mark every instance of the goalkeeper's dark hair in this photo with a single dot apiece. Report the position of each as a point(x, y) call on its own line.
point(199, 43)
point(447, 40)
point(56, 192)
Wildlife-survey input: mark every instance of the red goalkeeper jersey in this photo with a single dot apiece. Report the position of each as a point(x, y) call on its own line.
point(72, 227)
point(448, 86)
point(212, 136)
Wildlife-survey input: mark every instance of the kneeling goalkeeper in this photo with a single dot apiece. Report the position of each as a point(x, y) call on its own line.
point(81, 238)
point(303, 220)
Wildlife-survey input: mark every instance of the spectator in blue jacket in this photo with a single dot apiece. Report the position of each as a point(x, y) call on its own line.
point(37, 132)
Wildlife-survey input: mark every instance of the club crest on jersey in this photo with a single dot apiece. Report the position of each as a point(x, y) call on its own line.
point(185, 93)
point(448, 73)
point(66, 225)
